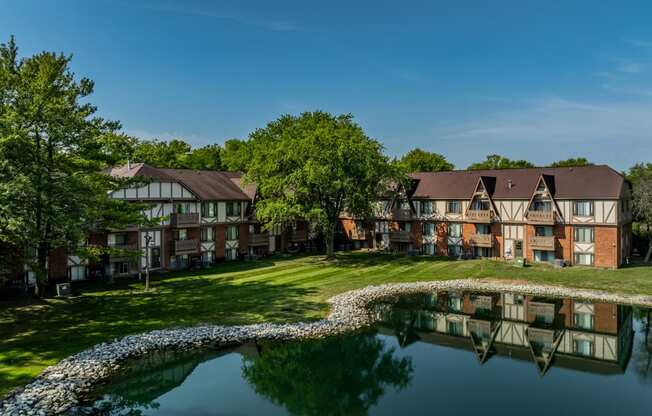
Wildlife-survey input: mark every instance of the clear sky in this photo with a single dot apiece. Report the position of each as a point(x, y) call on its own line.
point(538, 80)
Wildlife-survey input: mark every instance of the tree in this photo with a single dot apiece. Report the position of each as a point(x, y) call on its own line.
point(52, 190)
point(206, 157)
point(332, 376)
point(641, 177)
point(236, 155)
point(499, 162)
point(572, 162)
point(313, 167)
point(418, 160)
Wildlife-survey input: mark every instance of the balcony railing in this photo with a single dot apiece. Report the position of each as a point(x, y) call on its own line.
point(481, 240)
point(186, 246)
point(298, 236)
point(259, 239)
point(474, 215)
point(402, 214)
point(541, 217)
point(542, 243)
point(184, 220)
point(400, 236)
point(358, 235)
point(129, 251)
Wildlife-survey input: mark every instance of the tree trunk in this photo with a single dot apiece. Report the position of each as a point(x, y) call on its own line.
point(41, 270)
point(329, 236)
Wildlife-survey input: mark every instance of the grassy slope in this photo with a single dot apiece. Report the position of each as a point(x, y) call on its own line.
point(279, 289)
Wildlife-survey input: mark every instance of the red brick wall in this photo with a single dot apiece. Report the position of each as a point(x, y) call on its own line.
point(497, 234)
point(528, 252)
point(606, 246)
point(417, 234)
point(467, 230)
point(606, 318)
point(220, 241)
point(243, 241)
point(442, 238)
point(564, 243)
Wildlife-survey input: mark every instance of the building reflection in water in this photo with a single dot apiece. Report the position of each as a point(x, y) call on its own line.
point(571, 333)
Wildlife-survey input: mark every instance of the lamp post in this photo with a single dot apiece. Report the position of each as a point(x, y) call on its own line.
point(148, 240)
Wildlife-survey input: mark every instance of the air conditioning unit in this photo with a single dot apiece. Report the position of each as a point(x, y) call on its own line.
point(64, 290)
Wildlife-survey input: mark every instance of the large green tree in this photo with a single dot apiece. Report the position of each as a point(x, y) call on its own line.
point(236, 155)
point(313, 167)
point(641, 177)
point(500, 162)
point(572, 162)
point(52, 190)
point(417, 160)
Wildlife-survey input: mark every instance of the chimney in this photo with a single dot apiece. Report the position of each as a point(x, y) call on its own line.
point(128, 164)
point(510, 184)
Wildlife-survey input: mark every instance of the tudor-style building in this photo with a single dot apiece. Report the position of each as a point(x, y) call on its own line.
point(581, 215)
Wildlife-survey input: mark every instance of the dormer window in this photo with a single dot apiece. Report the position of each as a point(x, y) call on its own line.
point(480, 205)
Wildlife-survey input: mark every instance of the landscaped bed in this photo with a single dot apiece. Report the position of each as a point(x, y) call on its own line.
point(38, 334)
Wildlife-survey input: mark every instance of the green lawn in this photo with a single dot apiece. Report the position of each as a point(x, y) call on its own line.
point(40, 333)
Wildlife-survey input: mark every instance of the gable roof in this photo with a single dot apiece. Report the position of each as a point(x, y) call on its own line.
point(590, 182)
point(206, 184)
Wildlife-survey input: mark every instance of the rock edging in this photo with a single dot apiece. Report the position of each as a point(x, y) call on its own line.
point(58, 388)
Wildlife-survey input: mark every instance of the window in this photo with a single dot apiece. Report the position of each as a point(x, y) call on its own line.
point(583, 347)
point(183, 208)
point(583, 321)
point(583, 234)
point(455, 230)
point(585, 259)
point(428, 229)
point(429, 249)
point(455, 303)
point(232, 232)
point(182, 234)
point(405, 226)
point(480, 205)
point(583, 208)
point(543, 256)
point(454, 250)
point(382, 227)
point(405, 206)
point(518, 299)
point(77, 273)
point(541, 205)
point(117, 240)
point(482, 229)
point(453, 207)
point(543, 231)
point(207, 234)
point(209, 209)
point(481, 252)
point(426, 207)
point(232, 209)
point(155, 257)
point(455, 328)
point(208, 257)
point(231, 253)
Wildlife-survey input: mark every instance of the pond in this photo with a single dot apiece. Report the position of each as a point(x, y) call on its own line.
point(449, 353)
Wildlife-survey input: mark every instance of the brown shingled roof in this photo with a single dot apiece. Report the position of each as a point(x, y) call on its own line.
point(590, 182)
point(205, 184)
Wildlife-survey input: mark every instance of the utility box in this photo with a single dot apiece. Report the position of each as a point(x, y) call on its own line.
point(64, 290)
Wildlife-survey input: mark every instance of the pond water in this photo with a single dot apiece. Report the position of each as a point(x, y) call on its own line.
point(448, 353)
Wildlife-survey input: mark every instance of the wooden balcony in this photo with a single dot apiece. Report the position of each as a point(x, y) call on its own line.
point(298, 236)
point(186, 247)
point(358, 234)
point(400, 236)
point(541, 217)
point(481, 240)
point(542, 243)
point(261, 239)
point(184, 220)
point(479, 216)
point(402, 214)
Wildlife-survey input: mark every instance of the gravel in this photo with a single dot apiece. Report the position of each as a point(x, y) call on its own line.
point(58, 389)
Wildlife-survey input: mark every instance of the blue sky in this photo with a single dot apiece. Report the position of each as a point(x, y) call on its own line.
point(527, 79)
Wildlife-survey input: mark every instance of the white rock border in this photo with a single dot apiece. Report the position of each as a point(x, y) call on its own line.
point(58, 388)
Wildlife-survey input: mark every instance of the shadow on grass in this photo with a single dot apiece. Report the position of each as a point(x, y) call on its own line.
point(54, 329)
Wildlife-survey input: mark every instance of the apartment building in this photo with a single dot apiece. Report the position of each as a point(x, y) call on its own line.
point(581, 215)
point(591, 336)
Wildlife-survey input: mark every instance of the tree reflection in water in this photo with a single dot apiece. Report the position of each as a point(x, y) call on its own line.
point(332, 376)
point(642, 354)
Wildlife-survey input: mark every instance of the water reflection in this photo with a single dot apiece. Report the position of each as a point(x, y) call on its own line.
point(572, 333)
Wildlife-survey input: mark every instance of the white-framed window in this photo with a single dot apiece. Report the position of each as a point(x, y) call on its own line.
point(382, 226)
point(208, 234)
point(583, 321)
point(231, 253)
point(453, 207)
point(405, 226)
point(182, 208)
point(583, 347)
point(209, 209)
point(482, 229)
point(117, 240)
point(455, 303)
point(77, 272)
point(583, 234)
point(454, 250)
point(544, 255)
point(429, 229)
point(208, 257)
point(585, 259)
point(232, 232)
point(426, 207)
point(233, 209)
point(583, 208)
point(543, 231)
point(182, 234)
point(429, 249)
point(455, 230)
